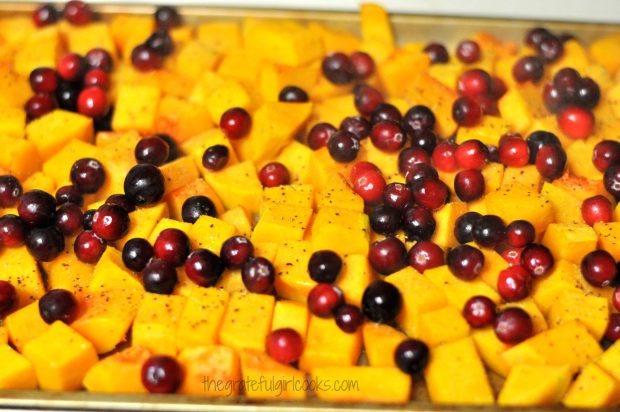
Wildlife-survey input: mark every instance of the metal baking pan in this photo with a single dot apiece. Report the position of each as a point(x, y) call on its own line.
point(407, 28)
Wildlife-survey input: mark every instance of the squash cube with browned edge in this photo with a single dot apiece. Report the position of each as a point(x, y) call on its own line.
point(265, 378)
point(570, 241)
point(331, 226)
point(199, 323)
point(110, 273)
point(156, 322)
point(281, 223)
point(237, 185)
point(136, 108)
point(24, 325)
point(17, 371)
point(535, 385)
point(247, 321)
point(209, 233)
point(380, 342)
point(594, 388)
point(103, 377)
point(210, 371)
point(55, 130)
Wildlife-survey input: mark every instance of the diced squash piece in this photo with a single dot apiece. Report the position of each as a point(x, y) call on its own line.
point(167, 223)
point(439, 98)
point(328, 345)
point(247, 321)
point(17, 371)
point(53, 131)
point(156, 322)
point(217, 94)
point(526, 178)
point(332, 225)
point(290, 314)
point(337, 194)
point(40, 49)
point(570, 241)
point(515, 109)
point(490, 129)
point(445, 219)
point(609, 360)
point(494, 263)
point(103, 377)
point(458, 291)
point(193, 59)
point(490, 349)
point(12, 122)
point(380, 342)
point(528, 385)
point(20, 158)
point(592, 311)
point(377, 36)
point(210, 371)
point(40, 181)
point(605, 51)
point(442, 326)
point(209, 233)
point(355, 275)
point(593, 388)
point(129, 30)
point(296, 157)
point(178, 173)
point(200, 320)
point(539, 322)
point(220, 36)
point(237, 185)
point(566, 208)
point(59, 165)
point(110, 273)
point(82, 39)
point(20, 269)
point(291, 263)
point(301, 195)
point(514, 203)
point(24, 325)
point(579, 159)
point(238, 217)
point(279, 223)
point(142, 222)
point(608, 238)
point(181, 119)
point(136, 108)
point(401, 68)
point(197, 187)
point(256, 366)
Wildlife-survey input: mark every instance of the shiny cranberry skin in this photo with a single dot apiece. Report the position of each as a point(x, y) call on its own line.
point(487, 104)
point(363, 64)
point(611, 179)
point(418, 118)
point(89, 247)
point(466, 111)
point(511, 254)
point(550, 49)
point(528, 68)
point(588, 93)
point(489, 231)
point(153, 150)
point(465, 262)
point(323, 299)
point(110, 222)
point(369, 186)
point(514, 283)
point(535, 36)
point(479, 311)
point(338, 68)
point(359, 168)
point(10, 191)
point(71, 67)
point(203, 267)
point(464, 226)
point(58, 304)
point(196, 206)
point(469, 185)
point(411, 356)
point(319, 135)
point(520, 233)
point(424, 139)
point(13, 231)
point(468, 51)
point(87, 175)
point(397, 196)
point(161, 374)
point(172, 245)
point(567, 81)
point(359, 126)
point(236, 251)
point(387, 256)
point(537, 259)
point(599, 268)
point(425, 255)
point(93, 102)
point(258, 275)
point(45, 15)
point(381, 302)
point(513, 325)
point(551, 162)
point(418, 173)
point(498, 88)
point(366, 99)
point(77, 13)
point(144, 184)
point(613, 328)
point(385, 220)
point(39, 105)
point(575, 122)
point(159, 276)
point(97, 78)
point(122, 201)
point(69, 219)
point(293, 94)
point(418, 223)
point(474, 82)
point(431, 193)
point(324, 266)
point(160, 42)
point(348, 318)
point(471, 154)
point(235, 123)
point(444, 157)
point(616, 298)
point(43, 80)
point(411, 156)
point(285, 345)
point(215, 157)
point(596, 209)
point(67, 96)
point(137, 252)
point(8, 298)
point(274, 174)
point(37, 208)
point(606, 153)
point(45, 244)
point(98, 58)
point(514, 152)
point(553, 98)
point(437, 53)
point(385, 111)
point(145, 59)
point(343, 146)
point(167, 17)
point(536, 140)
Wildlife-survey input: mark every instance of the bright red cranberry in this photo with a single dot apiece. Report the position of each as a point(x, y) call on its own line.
point(431, 193)
point(411, 156)
point(366, 99)
point(363, 64)
point(274, 174)
point(369, 186)
point(37, 208)
point(323, 299)
point(362, 167)
point(464, 226)
point(553, 98)
point(160, 42)
point(69, 219)
point(144, 184)
point(10, 191)
point(418, 223)
point(88, 175)
point(145, 59)
point(97, 78)
point(469, 185)
point(235, 123)
point(110, 222)
point(520, 233)
point(437, 53)
point(161, 374)
point(43, 80)
point(93, 102)
point(385, 111)
point(514, 151)
point(348, 318)
point(236, 251)
point(258, 275)
point(424, 139)
point(358, 125)
point(13, 231)
point(77, 13)
point(338, 68)
point(172, 245)
point(444, 156)
point(596, 209)
point(489, 231)
point(319, 135)
point(511, 254)
point(8, 298)
point(69, 194)
point(71, 67)
point(98, 58)
point(45, 15)
point(45, 244)
point(381, 302)
point(468, 51)
point(550, 49)
point(196, 206)
point(58, 304)
point(513, 325)
point(89, 247)
point(575, 122)
point(474, 82)
point(203, 267)
point(616, 298)
point(479, 311)
point(343, 146)
point(293, 94)
point(466, 111)
point(606, 153)
point(159, 276)
point(411, 356)
point(599, 268)
point(536, 140)
point(385, 220)
point(153, 150)
point(528, 68)
point(537, 259)
point(551, 162)
point(418, 118)
point(612, 332)
point(285, 345)
point(471, 154)
point(39, 105)
point(387, 256)
point(397, 196)
point(535, 36)
point(611, 179)
point(465, 262)
point(324, 266)
point(514, 283)
point(418, 173)
point(167, 17)
point(588, 93)
point(425, 255)
point(137, 252)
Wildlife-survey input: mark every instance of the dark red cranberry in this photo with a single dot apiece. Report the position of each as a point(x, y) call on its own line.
point(348, 318)
point(471, 154)
point(425, 255)
point(167, 17)
point(493, 153)
point(110, 222)
point(324, 266)
point(203, 267)
point(388, 255)
point(536, 140)
point(104, 123)
point(528, 68)
point(606, 153)
point(474, 82)
point(465, 262)
point(137, 252)
point(159, 276)
point(511, 254)
point(160, 42)
point(613, 328)
point(411, 356)
point(98, 58)
point(67, 95)
point(513, 325)
point(293, 94)
point(58, 304)
point(381, 302)
point(575, 122)
point(420, 172)
point(236, 251)
point(553, 98)
point(514, 151)
point(498, 88)
point(418, 118)
point(338, 68)
point(469, 185)
point(537, 259)
point(71, 67)
point(611, 179)
point(566, 80)
point(343, 146)
point(10, 191)
point(464, 226)
point(122, 201)
point(466, 111)
point(597, 209)
point(144, 184)
point(363, 64)
point(161, 374)
point(172, 245)
point(258, 275)
point(13, 231)
point(37, 208)
point(69, 219)
point(535, 36)
point(397, 196)
point(599, 268)
point(487, 104)
point(514, 283)
point(418, 223)
point(444, 156)
point(411, 156)
point(215, 157)
point(89, 247)
point(424, 139)
point(385, 111)
point(285, 345)
point(479, 311)
point(588, 93)
point(93, 102)
point(468, 51)
point(319, 135)
point(77, 13)
point(323, 299)
point(45, 244)
point(69, 194)
point(235, 123)
point(385, 220)
point(87, 175)
point(431, 193)
point(366, 99)
point(145, 59)
point(196, 206)
point(43, 80)
point(274, 174)
point(551, 162)
point(359, 126)
point(520, 233)
point(615, 300)
point(369, 186)
point(45, 15)
point(489, 231)
point(39, 105)
point(550, 49)
point(437, 53)
point(97, 78)
point(8, 298)
point(87, 219)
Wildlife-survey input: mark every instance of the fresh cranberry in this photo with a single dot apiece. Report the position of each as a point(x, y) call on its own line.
point(58, 304)
point(612, 332)
point(369, 186)
point(464, 226)
point(444, 156)
point(588, 93)
point(385, 220)
point(513, 325)
point(167, 17)
point(424, 139)
point(153, 150)
point(145, 59)
point(418, 118)
point(136, 254)
point(535, 36)
point(110, 222)
point(553, 98)
point(358, 125)
point(599, 268)
point(520, 233)
point(10, 191)
point(474, 82)
point(418, 173)
point(69, 219)
point(343, 146)
point(319, 135)
point(528, 68)
point(93, 102)
point(397, 196)
point(471, 154)
point(381, 302)
point(479, 311)
point(159, 276)
point(324, 266)
point(45, 244)
point(412, 356)
point(71, 67)
point(87, 175)
point(514, 283)
point(576, 122)
point(536, 140)
point(425, 255)
point(489, 231)
point(514, 151)
point(160, 42)
point(203, 267)
point(596, 209)
point(98, 58)
point(466, 111)
point(363, 64)
point(385, 111)
point(215, 157)
point(537, 260)
point(348, 318)
point(465, 262)
point(431, 193)
point(487, 104)
point(87, 219)
point(77, 13)
point(550, 49)
point(616, 298)
point(387, 256)
point(338, 68)
point(144, 184)
point(97, 78)
point(172, 245)
point(43, 80)
point(67, 95)
point(37, 208)
point(551, 161)
point(258, 275)
point(236, 251)
point(359, 168)
point(469, 185)
point(366, 99)
point(468, 51)
point(606, 153)
point(511, 254)
point(411, 156)
point(274, 174)
point(45, 15)
point(323, 299)
point(122, 201)
point(285, 345)
point(567, 80)
point(293, 94)
point(89, 247)
point(161, 374)
point(39, 105)
point(8, 298)
point(611, 179)
point(235, 123)
point(13, 231)
point(437, 53)
point(498, 88)
point(418, 223)
point(196, 206)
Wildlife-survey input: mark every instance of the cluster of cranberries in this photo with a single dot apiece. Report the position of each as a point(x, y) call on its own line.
point(549, 49)
point(606, 158)
point(150, 55)
point(75, 12)
point(479, 93)
point(341, 69)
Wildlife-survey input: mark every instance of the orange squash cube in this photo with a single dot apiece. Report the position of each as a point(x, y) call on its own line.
point(210, 371)
point(103, 377)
